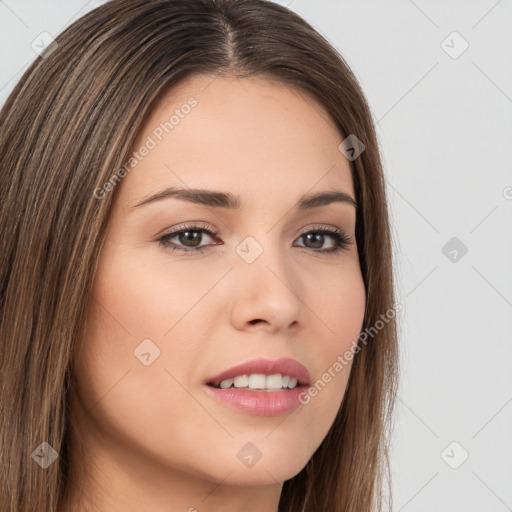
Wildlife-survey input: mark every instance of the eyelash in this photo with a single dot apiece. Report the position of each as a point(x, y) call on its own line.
point(341, 239)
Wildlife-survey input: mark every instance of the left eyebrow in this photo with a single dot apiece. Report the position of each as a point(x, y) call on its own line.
point(217, 199)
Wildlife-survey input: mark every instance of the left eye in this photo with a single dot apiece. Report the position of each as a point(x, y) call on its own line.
point(190, 237)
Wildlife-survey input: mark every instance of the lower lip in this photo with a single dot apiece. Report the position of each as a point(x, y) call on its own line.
point(259, 403)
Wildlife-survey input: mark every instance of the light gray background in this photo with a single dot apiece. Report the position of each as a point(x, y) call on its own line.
point(445, 126)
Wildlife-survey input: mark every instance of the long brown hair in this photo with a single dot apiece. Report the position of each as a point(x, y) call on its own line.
point(68, 125)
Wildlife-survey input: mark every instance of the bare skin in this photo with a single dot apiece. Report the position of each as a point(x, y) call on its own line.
point(152, 439)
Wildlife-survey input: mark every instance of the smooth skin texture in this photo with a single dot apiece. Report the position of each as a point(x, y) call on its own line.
point(153, 439)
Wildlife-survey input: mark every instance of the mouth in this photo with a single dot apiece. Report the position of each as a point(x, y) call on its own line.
point(262, 375)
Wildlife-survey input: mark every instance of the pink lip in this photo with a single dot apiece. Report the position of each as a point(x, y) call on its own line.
point(261, 402)
point(284, 366)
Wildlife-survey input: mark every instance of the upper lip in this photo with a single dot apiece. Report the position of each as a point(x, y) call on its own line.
point(283, 365)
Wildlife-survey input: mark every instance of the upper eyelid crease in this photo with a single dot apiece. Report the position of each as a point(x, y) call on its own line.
point(217, 199)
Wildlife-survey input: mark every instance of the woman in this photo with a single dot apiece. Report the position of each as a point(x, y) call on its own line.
point(197, 290)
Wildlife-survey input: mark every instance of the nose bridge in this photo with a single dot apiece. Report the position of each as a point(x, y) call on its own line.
point(261, 249)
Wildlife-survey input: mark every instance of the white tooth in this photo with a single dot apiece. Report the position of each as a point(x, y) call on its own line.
point(292, 383)
point(274, 381)
point(257, 381)
point(226, 383)
point(242, 381)
point(260, 381)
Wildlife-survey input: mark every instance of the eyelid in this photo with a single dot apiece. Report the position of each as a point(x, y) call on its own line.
point(192, 225)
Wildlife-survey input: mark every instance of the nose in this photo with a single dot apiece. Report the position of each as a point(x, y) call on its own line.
point(268, 292)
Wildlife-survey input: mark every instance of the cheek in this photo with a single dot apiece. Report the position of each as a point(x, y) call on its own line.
point(139, 299)
point(134, 302)
point(126, 399)
point(339, 302)
point(339, 307)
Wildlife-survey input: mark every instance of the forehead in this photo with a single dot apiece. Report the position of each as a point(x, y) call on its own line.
point(251, 136)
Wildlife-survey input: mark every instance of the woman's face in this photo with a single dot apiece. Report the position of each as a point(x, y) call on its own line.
point(163, 322)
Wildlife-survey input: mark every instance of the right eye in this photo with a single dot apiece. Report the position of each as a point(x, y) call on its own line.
point(186, 234)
